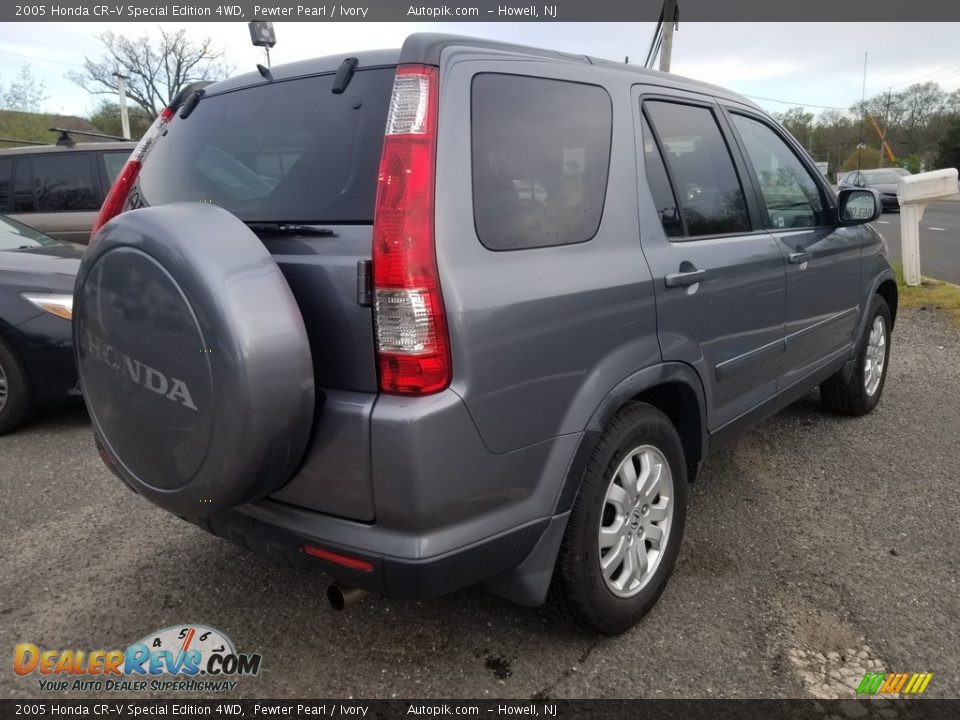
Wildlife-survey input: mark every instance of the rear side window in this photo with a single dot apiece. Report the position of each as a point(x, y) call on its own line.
point(288, 151)
point(63, 182)
point(541, 153)
point(705, 180)
point(659, 182)
point(23, 184)
point(6, 169)
point(112, 165)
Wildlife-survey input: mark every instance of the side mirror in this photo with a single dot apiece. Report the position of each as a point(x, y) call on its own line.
point(858, 206)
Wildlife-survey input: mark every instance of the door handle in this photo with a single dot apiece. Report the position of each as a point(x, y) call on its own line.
point(800, 257)
point(683, 278)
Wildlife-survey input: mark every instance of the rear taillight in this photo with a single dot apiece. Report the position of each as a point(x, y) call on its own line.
point(117, 197)
point(412, 343)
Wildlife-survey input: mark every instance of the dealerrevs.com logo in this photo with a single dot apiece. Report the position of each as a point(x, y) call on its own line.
point(182, 658)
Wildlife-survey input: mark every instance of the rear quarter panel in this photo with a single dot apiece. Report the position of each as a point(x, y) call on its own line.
point(539, 337)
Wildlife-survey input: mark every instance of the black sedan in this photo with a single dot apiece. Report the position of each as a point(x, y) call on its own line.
point(36, 306)
point(883, 180)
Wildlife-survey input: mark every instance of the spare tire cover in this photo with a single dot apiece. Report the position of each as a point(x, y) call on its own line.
point(193, 358)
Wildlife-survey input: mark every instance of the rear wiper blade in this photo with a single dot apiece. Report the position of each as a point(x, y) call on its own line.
point(282, 228)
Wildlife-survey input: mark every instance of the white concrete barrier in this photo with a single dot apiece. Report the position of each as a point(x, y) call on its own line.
point(913, 193)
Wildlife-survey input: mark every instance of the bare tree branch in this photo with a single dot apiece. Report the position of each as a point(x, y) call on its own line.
point(156, 69)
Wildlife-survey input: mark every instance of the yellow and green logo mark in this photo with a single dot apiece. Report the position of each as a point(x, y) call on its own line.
point(907, 683)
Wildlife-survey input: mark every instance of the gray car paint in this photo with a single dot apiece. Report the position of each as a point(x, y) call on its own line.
point(184, 298)
point(547, 344)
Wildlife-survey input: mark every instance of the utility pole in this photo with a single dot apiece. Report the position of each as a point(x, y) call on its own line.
point(122, 93)
point(669, 22)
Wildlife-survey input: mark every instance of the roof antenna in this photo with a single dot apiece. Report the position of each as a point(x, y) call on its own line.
point(264, 72)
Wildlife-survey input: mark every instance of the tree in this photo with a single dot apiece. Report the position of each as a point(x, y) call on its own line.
point(106, 118)
point(948, 152)
point(25, 93)
point(156, 70)
point(799, 123)
point(865, 159)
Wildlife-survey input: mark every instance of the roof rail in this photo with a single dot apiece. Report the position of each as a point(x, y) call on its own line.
point(15, 141)
point(65, 139)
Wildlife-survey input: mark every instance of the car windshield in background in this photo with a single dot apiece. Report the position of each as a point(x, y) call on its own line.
point(289, 151)
point(881, 177)
point(17, 236)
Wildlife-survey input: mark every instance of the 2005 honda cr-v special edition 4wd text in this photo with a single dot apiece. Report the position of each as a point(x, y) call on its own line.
point(467, 312)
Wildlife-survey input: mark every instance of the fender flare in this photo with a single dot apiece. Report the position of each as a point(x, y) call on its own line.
point(627, 389)
point(528, 583)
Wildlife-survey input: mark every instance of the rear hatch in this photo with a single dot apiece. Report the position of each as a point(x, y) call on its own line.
point(291, 152)
point(294, 153)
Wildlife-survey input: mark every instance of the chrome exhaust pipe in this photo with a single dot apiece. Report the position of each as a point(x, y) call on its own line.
point(341, 597)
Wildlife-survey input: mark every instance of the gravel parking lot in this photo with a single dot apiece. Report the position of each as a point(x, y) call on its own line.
point(817, 547)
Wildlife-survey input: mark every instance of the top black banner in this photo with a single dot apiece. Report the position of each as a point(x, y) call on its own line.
point(474, 11)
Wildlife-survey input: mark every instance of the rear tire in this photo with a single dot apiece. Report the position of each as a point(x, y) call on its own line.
point(626, 526)
point(14, 389)
point(861, 392)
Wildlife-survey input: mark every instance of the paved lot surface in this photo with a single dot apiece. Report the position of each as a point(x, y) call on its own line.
point(817, 547)
point(939, 239)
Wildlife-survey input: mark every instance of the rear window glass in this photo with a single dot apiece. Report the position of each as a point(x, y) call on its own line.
point(541, 151)
point(281, 151)
point(55, 182)
point(112, 165)
point(6, 167)
point(709, 191)
point(64, 182)
point(659, 184)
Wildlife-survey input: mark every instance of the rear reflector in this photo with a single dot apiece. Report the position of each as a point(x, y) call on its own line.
point(412, 343)
point(117, 197)
point(352, 563)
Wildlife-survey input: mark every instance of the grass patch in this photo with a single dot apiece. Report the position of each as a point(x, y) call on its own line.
point(930, 293)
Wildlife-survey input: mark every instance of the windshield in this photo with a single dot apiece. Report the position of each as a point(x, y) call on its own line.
point(17, 236)
point(881, 177)
point(289, 151)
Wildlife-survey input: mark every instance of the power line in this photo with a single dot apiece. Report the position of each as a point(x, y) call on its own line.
point(920, 77)
point(39, 59)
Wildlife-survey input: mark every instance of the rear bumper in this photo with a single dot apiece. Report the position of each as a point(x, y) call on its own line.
point(889, 202)
point(448, 513)
point(275, 531)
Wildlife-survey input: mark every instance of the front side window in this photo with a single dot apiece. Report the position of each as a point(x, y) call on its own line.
point(541, 153)
point(706, 183)
point(791, 195)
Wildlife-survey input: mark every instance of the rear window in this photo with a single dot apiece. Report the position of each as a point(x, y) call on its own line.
point(283, 151)
point(541, 151)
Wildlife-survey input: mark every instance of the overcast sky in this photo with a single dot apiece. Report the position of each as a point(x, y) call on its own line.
point(818, 64)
